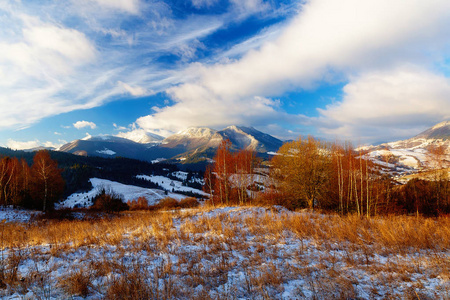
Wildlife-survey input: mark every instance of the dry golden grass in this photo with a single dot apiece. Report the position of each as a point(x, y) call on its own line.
point(223, 253)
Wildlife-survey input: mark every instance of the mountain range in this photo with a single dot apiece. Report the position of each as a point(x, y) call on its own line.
point(191, 146)
point(413, 154)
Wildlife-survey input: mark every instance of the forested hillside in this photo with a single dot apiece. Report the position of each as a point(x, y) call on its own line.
point(77, 170)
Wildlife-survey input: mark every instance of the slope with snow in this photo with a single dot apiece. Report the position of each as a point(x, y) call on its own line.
point(412, 155)
point(141, 136)
point(129, 192)
point(170, 185)
point(192, 145)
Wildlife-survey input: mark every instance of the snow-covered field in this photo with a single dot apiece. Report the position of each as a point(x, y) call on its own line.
point(13, 215)
point(227, 253)
point(416, 159)
point(169, 184)
point(129, 192)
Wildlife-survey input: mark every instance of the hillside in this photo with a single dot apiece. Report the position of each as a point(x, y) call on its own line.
point(414, 154)
point(78, 170)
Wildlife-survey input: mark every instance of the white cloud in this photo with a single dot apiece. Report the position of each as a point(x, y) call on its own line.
point(84, 124)
point(209, 111)
point(203, 3)
point(63, 69)
point(393, 104)
point(87, 137)
point(250, 6)
point(243, 7)
point(45, 51)
point(44, 58)
point(129, 6)
point(49, 144)
point(18, 145)
point(134, 91)
point(328, 41)
point(116, 127)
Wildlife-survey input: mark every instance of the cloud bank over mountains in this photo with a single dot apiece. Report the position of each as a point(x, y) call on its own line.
point(387, 52)
point(391, 58)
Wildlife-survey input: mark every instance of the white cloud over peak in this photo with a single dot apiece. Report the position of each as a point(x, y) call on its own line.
point(87, 137)
point(209, 111)
point(328, 41)
point(395, 103)
point(84, 124)
point(83, 54)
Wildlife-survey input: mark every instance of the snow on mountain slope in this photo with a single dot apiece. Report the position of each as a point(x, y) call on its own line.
point(438, 131)
point(193, 145)
point(196, 132)
point(239, 138)
point(129, 192)
point(106, 151)
point(141, 136)
point(108, 146)
point(192, 138)
point(413, 154)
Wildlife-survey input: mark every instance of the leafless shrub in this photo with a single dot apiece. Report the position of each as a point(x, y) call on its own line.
point(77, 283)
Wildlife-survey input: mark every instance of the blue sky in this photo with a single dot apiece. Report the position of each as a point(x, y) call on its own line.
point(365, 71)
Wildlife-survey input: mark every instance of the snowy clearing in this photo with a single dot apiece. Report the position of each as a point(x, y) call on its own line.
point(171, 185)
point(129, 192)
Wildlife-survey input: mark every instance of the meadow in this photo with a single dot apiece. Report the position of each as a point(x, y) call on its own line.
point(240, 252)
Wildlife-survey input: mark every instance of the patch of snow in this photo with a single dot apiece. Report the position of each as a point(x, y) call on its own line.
point(169, 184)
point(9, 215)
point(158, 160)
point(106, 151)
point(180, 175)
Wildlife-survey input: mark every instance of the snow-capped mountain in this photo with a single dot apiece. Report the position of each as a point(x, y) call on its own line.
point(251, 139)
point(106, 146)
point(193, 145)
point(141, 136)
point(197, 144)
point(192, 138)
point(413, 154)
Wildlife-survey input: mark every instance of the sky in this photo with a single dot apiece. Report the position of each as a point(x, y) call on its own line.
point(362, 71)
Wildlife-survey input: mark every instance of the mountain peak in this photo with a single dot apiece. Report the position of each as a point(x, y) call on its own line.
point(233, 127)
point(141, 136)
point(197, 132)
point(438, 131)
point(440, 125)
point(107, 138)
